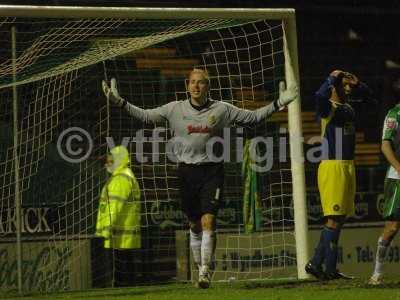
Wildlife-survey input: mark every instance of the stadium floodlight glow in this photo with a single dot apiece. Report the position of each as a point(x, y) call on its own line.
point(62, 53)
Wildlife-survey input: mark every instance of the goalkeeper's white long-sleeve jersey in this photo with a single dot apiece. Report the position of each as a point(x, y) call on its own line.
point(193, 128)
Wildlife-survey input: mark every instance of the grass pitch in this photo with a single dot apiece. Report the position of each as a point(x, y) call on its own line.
point(266, 290)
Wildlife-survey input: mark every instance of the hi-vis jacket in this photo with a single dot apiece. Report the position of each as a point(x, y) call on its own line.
point(118, 218)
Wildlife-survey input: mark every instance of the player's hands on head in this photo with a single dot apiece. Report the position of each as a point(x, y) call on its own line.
point(111, 92)
point(343, 85)
point(347, 77)
point(350, 79)
point(286, 95)
point(336, 73)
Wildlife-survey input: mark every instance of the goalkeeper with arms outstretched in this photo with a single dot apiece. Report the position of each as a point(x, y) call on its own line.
point(194, 122)
point(336, 171)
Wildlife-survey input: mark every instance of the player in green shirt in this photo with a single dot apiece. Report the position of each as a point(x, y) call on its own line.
point(391, 212)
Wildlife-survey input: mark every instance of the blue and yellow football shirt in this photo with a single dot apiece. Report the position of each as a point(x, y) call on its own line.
point(337, 122)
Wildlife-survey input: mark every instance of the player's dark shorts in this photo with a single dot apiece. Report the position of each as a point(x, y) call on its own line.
point(391, 208)
point(201, 189)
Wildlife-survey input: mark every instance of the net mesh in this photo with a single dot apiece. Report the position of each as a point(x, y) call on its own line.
point(66, 127)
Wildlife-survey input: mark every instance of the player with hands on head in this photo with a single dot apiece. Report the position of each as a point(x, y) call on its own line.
point(194, 122)
point(336, 171)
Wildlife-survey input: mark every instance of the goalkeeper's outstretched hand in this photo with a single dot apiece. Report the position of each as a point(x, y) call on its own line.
point(286, 95)
point(111, 92)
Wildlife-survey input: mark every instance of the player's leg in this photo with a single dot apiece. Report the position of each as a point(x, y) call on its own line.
point(389, 232)
point(190, 205)
point(326, 251)
point(208, 244)
point(211, 197)
point(196, 236)
point(332, 231)
point(336, 184)
point(207, 249)
point(342, 189)
point(391, 213)
point(314, 266)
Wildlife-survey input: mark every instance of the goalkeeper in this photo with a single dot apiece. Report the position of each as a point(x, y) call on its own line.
point(194, 122)
point(336, 172)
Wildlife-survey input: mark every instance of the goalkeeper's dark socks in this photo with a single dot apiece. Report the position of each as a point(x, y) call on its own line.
point(331, 239)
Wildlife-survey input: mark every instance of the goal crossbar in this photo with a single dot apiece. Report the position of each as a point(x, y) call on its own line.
point(144, 12)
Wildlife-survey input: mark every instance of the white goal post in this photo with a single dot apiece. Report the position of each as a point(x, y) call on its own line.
point(35, 68)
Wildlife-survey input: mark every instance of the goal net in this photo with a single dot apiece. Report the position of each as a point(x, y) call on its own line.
point(65, 128)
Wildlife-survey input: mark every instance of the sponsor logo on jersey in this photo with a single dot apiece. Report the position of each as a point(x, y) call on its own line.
point(198, 129)
point(212, 120)
point(391, 123)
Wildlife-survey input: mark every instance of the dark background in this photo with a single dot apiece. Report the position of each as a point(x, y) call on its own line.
point(357, 36)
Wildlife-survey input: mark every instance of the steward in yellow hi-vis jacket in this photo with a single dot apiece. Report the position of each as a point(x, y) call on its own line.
point(118, 218)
